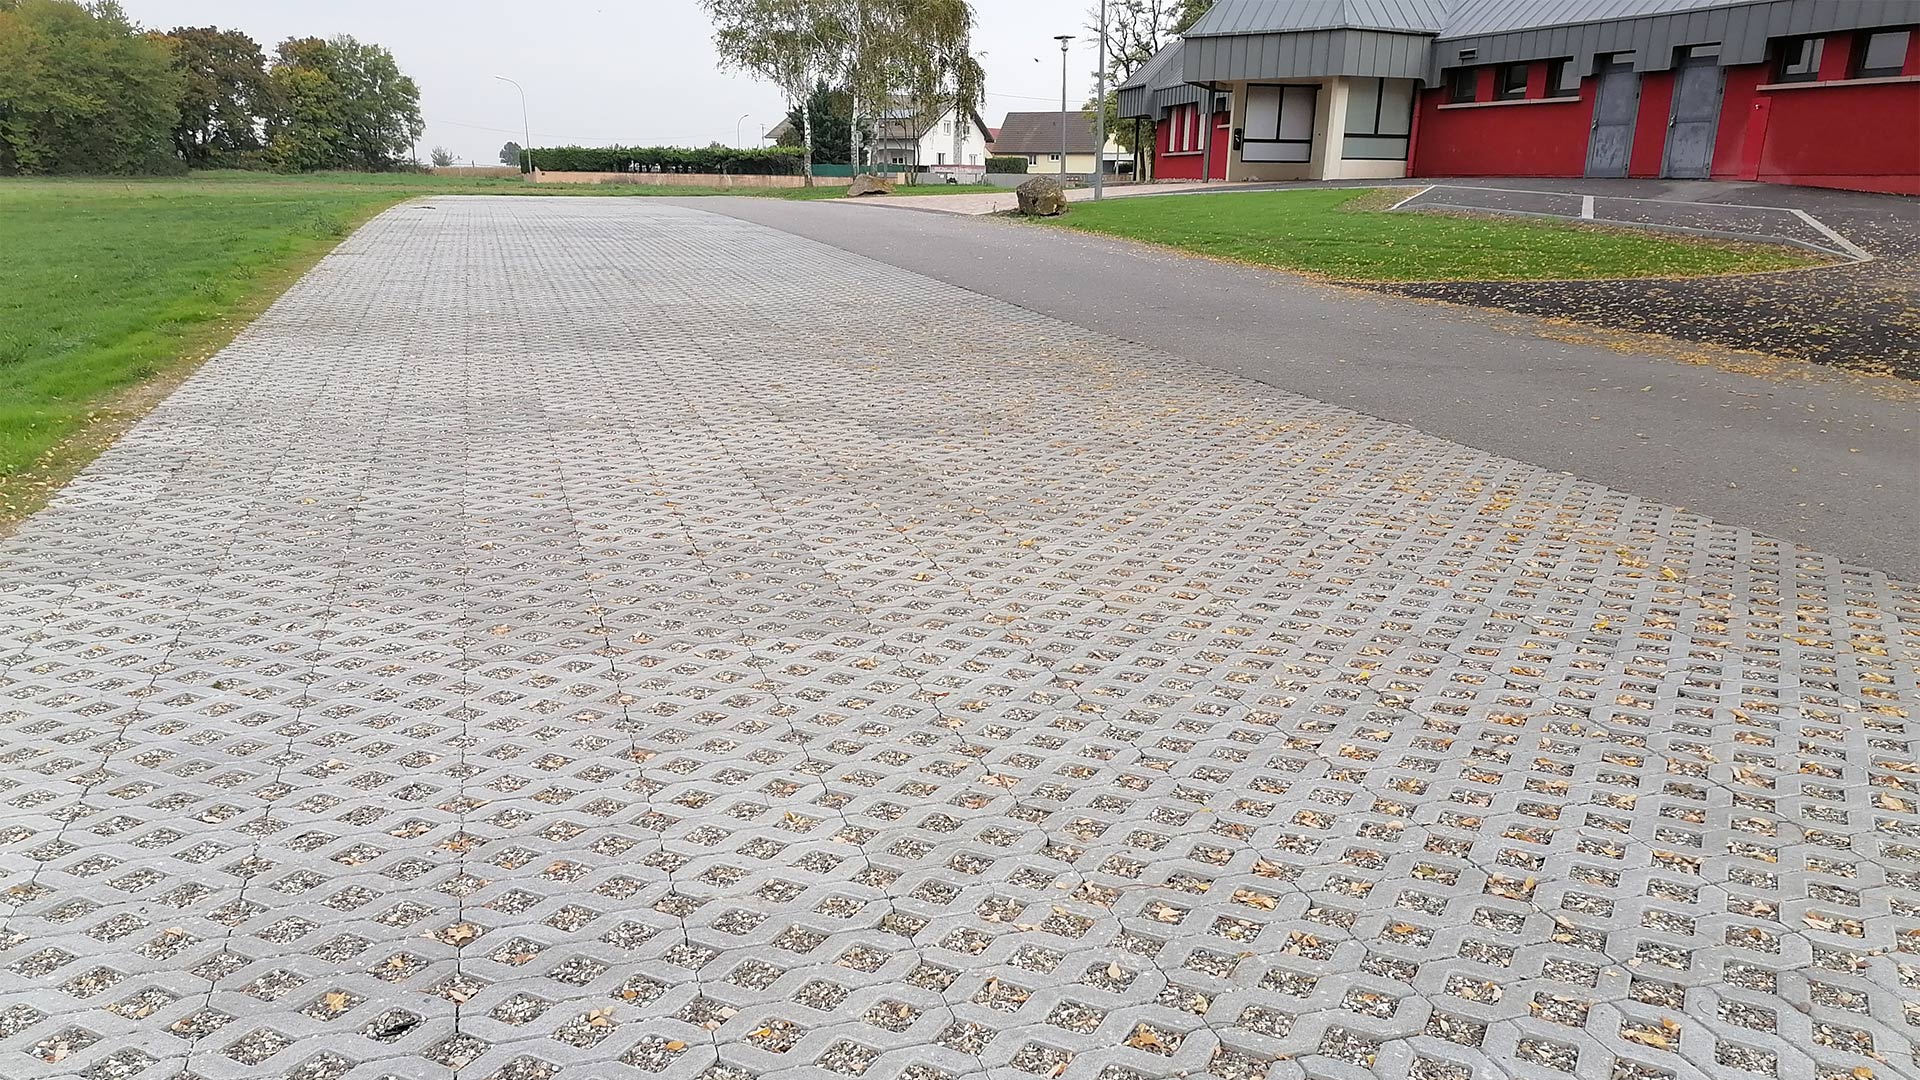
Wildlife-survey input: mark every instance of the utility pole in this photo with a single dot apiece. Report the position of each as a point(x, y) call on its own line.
point(1100, 113)
point(1063, 39)
point(526, 131)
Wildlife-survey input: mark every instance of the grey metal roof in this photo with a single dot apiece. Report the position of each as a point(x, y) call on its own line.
point(1265, 39)
point(1311, 54)
point(1134, 97)
point(1505, 16)
point(1292, 16)
point(1504, 31)
point(1158, 85)
point(1155, 68)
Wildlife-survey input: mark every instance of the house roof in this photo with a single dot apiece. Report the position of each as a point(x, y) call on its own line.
point(1158, 84)
point(1161, 70)
point(902, 121)
point(1039, 133)
point(1504, 16)
point(1240, 40)
point(1294, 16)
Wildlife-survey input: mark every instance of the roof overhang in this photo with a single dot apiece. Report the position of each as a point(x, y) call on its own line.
point(1311, 54)
point(1742, 29)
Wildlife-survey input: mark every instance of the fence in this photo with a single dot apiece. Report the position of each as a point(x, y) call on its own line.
point(822, 168)
point(670, 179)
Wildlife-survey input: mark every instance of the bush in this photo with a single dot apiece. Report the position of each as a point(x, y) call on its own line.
point(1006, 164)
point(760, 161)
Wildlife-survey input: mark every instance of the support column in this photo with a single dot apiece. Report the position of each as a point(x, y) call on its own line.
point(1206, 136)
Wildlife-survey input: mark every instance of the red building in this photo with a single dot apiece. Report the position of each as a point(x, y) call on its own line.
point(1818, 92)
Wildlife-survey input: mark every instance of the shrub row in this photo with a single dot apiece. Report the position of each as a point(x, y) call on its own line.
point(767, 161)
point(1006, 164)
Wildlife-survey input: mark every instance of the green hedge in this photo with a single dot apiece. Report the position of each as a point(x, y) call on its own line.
point(1006, 164)
point(760, 161)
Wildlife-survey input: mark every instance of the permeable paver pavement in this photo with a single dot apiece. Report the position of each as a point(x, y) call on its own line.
point(592, 638)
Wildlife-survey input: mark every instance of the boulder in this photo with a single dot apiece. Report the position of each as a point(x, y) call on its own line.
point(869, 184)
point(1042, 196)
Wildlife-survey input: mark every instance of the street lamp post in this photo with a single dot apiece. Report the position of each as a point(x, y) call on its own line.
point(736, 130)
point(1063, 39)
point(1100, 113)
point(526, 131)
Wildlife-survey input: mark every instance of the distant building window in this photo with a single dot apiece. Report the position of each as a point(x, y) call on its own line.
point(939, 159)
point(1053, 157)
point(1462, 84)
point(1799, 60)
point(1033, 159)
point(1563, 79)
point(1513, 82)
point(1881, 54)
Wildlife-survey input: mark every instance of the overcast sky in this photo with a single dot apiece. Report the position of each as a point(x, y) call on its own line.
point(638, 72)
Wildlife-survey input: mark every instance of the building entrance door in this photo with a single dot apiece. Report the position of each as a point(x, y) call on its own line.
point(1618, 102)
point(1696, 115)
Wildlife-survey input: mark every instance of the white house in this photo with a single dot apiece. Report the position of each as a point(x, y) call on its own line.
point(946, 144)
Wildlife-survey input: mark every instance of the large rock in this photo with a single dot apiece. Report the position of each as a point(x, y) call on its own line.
point(1042, 196)
point(869, 184)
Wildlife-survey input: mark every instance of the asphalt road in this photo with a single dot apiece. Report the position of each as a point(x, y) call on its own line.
point(1828, 460)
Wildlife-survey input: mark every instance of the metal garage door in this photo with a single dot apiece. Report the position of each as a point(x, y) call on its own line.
point(1614, 109)
point(1696, 115)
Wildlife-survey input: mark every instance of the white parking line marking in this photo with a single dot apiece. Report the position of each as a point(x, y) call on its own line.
point(1849, 246)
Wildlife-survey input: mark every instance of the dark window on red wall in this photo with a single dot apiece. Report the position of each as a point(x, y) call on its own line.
point(1798, 60)
point(1880, 54)
point(1563, 79)
point(1462, 83)
point(1513, 82)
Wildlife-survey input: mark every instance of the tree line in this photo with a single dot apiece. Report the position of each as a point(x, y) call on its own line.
point(83, 89)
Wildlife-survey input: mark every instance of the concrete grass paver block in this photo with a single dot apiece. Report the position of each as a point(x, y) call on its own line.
point(601, 637)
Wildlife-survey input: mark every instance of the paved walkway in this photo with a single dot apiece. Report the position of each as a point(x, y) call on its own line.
point(591, 638)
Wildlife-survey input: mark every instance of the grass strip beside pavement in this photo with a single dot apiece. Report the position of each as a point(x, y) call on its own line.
point(1346, 233)
point(112, 290)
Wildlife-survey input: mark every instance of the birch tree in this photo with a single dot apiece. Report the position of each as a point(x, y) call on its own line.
point(913, 52)
point(793, 44)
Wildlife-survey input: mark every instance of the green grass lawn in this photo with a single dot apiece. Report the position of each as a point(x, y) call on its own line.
point(110, 287)
point(1346, 233)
